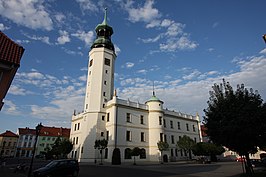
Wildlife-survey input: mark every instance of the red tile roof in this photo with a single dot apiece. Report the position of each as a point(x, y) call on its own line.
point(46, 131)
point(55, 131)
point(8, 134)
point(26, 131)
point(9, 50)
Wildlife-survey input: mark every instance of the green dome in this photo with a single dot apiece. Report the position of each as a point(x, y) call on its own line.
point(154, 98)
point(104, 33)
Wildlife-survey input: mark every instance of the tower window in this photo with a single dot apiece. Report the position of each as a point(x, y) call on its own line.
point(108, 117)
point(160, 120)
point(171, 124)
point(102, 134)
point(128, 117)
point(103, 118)
point(187, 127)
point(141, 119)
point(91, 62)
point(106, 71)
point(107, 61)
point(104, 94)
point(142, 136)
point(105, 82)
point(178, 125)
point(128, 136)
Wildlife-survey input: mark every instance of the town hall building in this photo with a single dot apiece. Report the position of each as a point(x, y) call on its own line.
point(125, 124)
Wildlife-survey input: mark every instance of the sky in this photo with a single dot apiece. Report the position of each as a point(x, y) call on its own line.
point(183, 47)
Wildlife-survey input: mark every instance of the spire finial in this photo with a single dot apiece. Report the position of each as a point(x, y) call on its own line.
point(105, 16)
point(153, 92)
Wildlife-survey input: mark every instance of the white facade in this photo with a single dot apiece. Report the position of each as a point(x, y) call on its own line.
point(123, 123)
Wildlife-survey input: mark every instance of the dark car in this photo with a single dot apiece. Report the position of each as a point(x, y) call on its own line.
point(58, 168)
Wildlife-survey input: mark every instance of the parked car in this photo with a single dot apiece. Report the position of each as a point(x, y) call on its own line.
point(58, 168)
point(240, 159)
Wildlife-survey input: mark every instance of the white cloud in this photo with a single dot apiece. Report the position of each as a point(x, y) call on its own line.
point(87, 5)
point(147, 13)
point(129, 65)
point(30, 13)
point(263, 51)
point(44, 39)
point(3, 27)
point(117, 50)
point(64, 37)
point(83, 36)
point(192, 96)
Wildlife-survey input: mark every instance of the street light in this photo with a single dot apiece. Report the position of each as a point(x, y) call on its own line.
point(38, 130)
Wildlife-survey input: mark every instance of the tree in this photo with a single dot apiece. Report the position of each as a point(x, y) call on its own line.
point(186, 143)
point(101, 145)
point(59, 149)
point(207, 149)
point(162, 146)
point(235, 119)
point(135, 152)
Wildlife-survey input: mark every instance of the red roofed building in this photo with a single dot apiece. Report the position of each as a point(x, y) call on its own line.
point(10, 55)
point(8, 144)
point(46, 139)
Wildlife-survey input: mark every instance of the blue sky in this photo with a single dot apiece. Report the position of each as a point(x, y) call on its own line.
point(183, 46)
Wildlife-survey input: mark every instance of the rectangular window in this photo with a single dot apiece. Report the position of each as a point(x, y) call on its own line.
point(161, 136)
point(107, 61)
point(172, 139)
point(193, 127)
point(176, 154)
point(128, 136)
point(102, 134)
point(171, 124)
point(103, 105)
point(128, 117)
point(77, 140)
point(91, 62)
point(172, 152)
point(142, 136)
point(178, 125)
point(104, 94)
point(160, 120)
point(141, 119)
point(195, 139)
point(108, 117)
point(164, 123)
point(165, 138)
point(187, 127)
point(78, 125)
point(103, 118)
point(107, 135)
point(75, 127)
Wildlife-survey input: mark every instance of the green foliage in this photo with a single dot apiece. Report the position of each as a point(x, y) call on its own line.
point(59, 149)
point(135, 152)
point(235, 119)
point(207, 149)
point(116, 157)
point(100, 144)
point(186, 143)
point(163, 146)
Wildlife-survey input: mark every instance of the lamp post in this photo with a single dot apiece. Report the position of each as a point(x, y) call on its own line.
point(38, 130)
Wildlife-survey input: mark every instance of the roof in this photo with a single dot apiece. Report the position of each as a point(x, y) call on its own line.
point(55, 131)
point(46, 131)
point(26, 131)
point(9, 50)
point(8, 134)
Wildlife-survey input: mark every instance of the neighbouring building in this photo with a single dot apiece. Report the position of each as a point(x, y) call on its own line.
point(10, 56)
point(125, 124)
point(48, 135)
point(8, 144)
point(46, 139)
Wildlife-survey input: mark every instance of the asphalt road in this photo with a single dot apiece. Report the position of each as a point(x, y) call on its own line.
point(178, 169)
point(221, 169)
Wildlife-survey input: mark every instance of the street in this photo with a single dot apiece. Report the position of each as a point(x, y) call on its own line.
point(174, 169)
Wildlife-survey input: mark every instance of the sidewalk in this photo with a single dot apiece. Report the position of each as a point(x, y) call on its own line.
point(8, 171)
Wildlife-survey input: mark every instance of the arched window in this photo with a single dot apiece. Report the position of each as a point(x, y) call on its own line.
point(142, 153)
point(127, 153)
